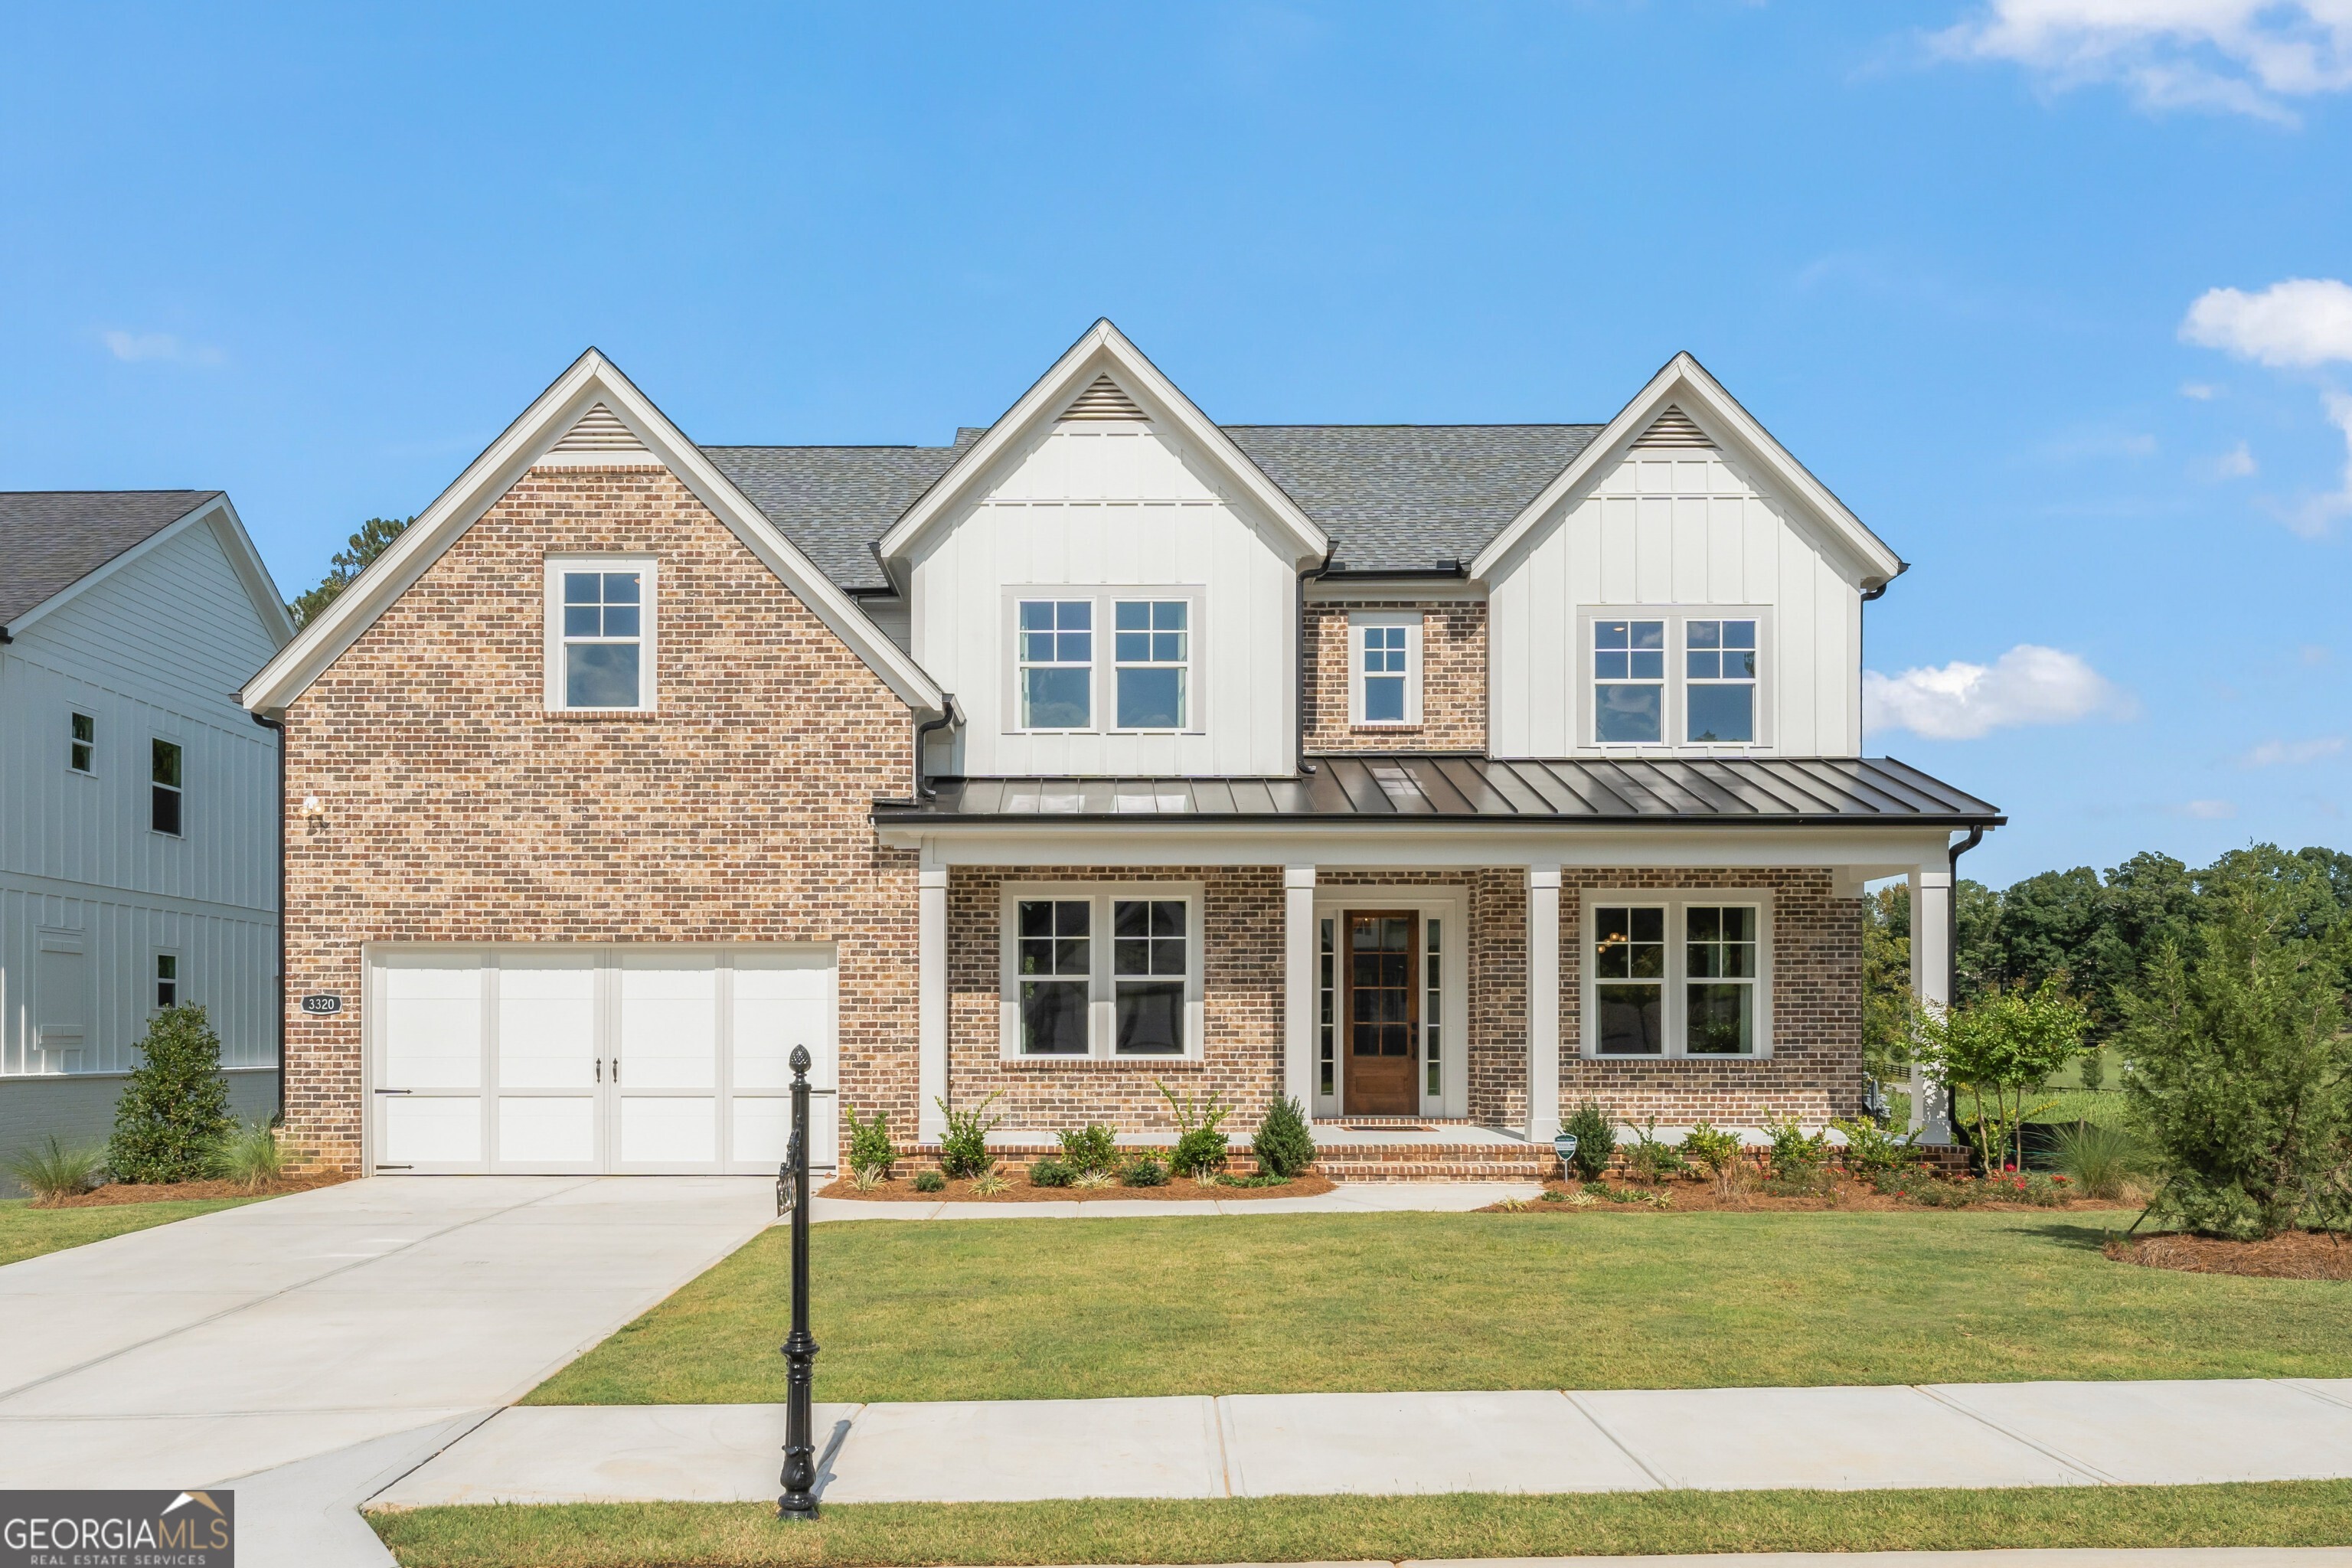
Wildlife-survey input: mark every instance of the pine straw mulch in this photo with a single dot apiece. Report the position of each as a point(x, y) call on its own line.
point(2294, 1254)
point(1841, 1194)
point(1179, 1189)
point(115, 1193)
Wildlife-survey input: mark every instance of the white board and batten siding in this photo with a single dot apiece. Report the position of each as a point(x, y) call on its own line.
point(1679, 527)
point(88, 895)
point(582, 1060)
point(1097, 503)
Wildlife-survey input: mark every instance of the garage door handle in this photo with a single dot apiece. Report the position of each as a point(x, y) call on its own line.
point(395, 1091)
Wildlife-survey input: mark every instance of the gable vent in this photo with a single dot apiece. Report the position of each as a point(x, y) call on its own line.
point(600, 430)
point(1103, 400)
point(1673, 428)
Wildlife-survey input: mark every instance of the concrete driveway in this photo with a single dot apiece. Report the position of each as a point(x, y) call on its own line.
point(305, 1349)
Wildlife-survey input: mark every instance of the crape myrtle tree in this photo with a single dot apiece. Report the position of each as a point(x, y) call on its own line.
point(2001, 1048)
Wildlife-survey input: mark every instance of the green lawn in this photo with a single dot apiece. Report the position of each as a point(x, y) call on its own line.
point(1057, 1309)
point(1355, 1529)
point(27, 1232)
point(2104, 1106)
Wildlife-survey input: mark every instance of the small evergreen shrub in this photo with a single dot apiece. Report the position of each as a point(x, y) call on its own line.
point(1797, 1157)
point(55, 1170)
point(963, 1147)
point(173, 1113)
point(1871, 1149)
point(1050, 1172)
point(1144, 1172)
point(930, 1181)
point(1089, 1150)
point(1200, 1151)
point(1263, 1179)
point(1650, 1160)
point(1717, 1152)
point(1596, 1139)
point(1911, 1185)
point(870, 1149)
point(1283, 1145)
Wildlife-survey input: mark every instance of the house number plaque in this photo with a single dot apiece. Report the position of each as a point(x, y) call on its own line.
point(322, 1002)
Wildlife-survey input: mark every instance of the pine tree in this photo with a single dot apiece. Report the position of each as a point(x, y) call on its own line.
point(173, 1112)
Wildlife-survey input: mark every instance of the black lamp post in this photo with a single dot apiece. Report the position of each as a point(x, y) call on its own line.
point(800, 1349)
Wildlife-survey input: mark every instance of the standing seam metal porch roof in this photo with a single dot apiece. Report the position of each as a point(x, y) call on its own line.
point(1424, 788)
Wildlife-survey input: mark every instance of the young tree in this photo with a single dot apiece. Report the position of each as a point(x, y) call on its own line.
point(174, 1112)
point(2240, 1069)
point(375, 537)
point(1886, 1001)
point(2002, 1048)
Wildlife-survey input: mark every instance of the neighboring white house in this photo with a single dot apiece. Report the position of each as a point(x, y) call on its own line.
point(138, 801)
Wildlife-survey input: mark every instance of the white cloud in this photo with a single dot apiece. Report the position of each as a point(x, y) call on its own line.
point(2302, 322)
point(2240, 55)
point(134, 347)
point(2317, 515)
point(2202, 391)
point(2294, 753)
point(2237, 463)
point(1959, 701)
point(2208, 810)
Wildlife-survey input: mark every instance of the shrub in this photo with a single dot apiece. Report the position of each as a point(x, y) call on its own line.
point(870, 1149)
point(990, 1183)
point(930, 1181)
point(1200, 1151)
point(1263, 1179)
point(1798, 1156)
point(1050, 1172)
point(865, 1180)
point(1089, 1150)
point(1596, 1139)
point(2240, 1071)
point(1715, 1151)
point(1143, 1171)
point(964, 1148)
point(1283, 1145)
point(2101, 1161)
point(174, 1112)
point(252, 1156)
point(2000, 1049)
point(1911, 1185)
point(54, 1171)
point(1649, 1159)
point(1871, 1149)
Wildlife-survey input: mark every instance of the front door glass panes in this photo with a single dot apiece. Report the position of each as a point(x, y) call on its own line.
point(1385, 675)
point(1629, 680)
point(1379, 984)
point(603, 639)
point(1327, 1020)
point(1433, 1009)
point(1055, 961)
point(1629, 965)
point(1151, 647)
point(163, 794)
point(1057, 656)
point(1719, 676)
point(1148, 970)
point(1719, 958)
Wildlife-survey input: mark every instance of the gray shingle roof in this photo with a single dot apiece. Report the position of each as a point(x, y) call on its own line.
point(1392, 497)
point(50, 540)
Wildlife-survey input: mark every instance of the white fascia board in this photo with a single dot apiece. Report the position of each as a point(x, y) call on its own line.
point(1686, 383)
point(216, 513)
point(1105, 347)
point(591, 379)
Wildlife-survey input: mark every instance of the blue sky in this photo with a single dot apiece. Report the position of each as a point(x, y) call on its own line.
point(1953, 254)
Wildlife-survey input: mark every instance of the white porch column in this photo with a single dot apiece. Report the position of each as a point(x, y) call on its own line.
point(1931, 984)
point(1543, 1002)
point(931, 1001)
point(1298, 998)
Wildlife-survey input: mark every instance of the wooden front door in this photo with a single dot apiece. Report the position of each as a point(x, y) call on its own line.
point(1383, 957)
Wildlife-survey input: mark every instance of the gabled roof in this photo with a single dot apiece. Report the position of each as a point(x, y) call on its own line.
point(835, 502)
point(56, 544)
point(1104, 349)
point(591, 380)
point(1684, 384)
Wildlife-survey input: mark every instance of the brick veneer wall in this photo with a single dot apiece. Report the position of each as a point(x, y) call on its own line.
point(457, 809)
point(1452, 680)
point(1815, 1069)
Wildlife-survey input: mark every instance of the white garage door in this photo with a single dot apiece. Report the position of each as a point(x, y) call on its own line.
point(631, 1060)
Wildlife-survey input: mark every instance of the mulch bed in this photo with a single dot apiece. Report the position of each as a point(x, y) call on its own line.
point(115, 1193)
point(2296, 1255)
point(1842, 1195)
point(1179, 1189)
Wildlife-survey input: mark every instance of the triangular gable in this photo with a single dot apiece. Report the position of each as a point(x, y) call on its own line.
point(565, 416)
point(1682, 405)
point(1103, 353)
point(215, 513)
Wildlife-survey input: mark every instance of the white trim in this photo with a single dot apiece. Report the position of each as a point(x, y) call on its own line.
point(930, 1001)
point(1412, 621)
point(1673, 901)
point(1585, 712)
point(590, 379)
point(1300, 982)
point(1685, 381)
point(1396, 590)
point(1102, 699)
point(1103, 349)
point(552, 638)
point(1543, 1002)
point(1101, 984)
point(215, 513)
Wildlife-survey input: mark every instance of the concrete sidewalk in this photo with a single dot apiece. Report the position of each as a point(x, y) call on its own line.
point(1963, 1435)
point(1347, 1197)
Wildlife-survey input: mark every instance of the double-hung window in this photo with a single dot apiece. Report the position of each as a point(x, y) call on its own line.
point(82, 748)
point(165, 788)
point(1629, 681)
point(1151, 648)
point(1058, 664)
point(1719, 674)
point(1103, 660)
point(1676, 976)
point(1103, 972)
point(1384, 668)
point(167, 980)
point(601, 634)
point(1677, 678)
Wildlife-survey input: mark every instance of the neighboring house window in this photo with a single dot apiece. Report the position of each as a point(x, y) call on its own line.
point(164, 802)
point(1629, 680)
point(600, 613)
point(1384, 681)
point(81, 750)
point(1679, 976)
point(1103, 972)
point(1721, 679)
point(1057, 659)
point(167, 980)
point(1151, 648)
